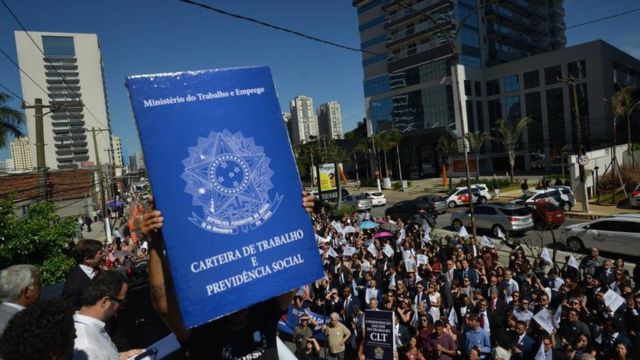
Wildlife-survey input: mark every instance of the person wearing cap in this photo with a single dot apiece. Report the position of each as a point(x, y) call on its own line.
point(302, 332)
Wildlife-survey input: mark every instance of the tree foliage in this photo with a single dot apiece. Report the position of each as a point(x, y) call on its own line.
point(39, 238)
point(508, 134)
point(321, 151)
point(10, 121)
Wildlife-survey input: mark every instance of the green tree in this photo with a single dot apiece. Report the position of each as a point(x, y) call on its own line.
point(383, 144)
point(475, 141)
point(508, 133)
point(394, 138)
point(446, 146)
point(621, 106)
point(39, 238)
point(10, 120)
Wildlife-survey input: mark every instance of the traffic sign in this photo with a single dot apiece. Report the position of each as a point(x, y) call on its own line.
point(583, 160)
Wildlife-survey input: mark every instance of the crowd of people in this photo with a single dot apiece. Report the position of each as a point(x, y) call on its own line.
point(452, 298)
point(455, 299)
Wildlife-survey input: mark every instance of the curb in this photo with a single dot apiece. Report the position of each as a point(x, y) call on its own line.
point(584, 216)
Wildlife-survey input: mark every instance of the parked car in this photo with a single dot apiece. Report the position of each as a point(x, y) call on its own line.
point(634, 200)
point(460, 196)
point(483, 189)
point(504, 217)
point(558, 196)
point(433, 202)
point(618, 234)
point(409, 212)
point(377, 198)
point(546, 215)
point(359, 202)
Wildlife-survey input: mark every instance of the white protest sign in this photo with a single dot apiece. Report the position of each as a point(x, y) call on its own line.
point(613, 300)
point(543, 317)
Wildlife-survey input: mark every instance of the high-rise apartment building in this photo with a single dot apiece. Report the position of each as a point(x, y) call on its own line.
point(68, 71)
point(330, 120)
point(304, 121)
point(133, 165)
point(21, 154)
point(117, 152)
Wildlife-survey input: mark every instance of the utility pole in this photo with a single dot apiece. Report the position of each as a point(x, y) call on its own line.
point(41, 168)
point(99, 170)
point(572, 82)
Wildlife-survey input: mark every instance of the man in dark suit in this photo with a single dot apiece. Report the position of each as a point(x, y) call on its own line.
point(523, 347)
point(88, 255)
point(350, 305)
point(468, 272)
point(20, 287)
point(497, 309)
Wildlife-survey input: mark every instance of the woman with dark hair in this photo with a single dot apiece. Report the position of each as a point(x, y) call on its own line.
point(620, 352)
point(412, 352)
point(311, 350)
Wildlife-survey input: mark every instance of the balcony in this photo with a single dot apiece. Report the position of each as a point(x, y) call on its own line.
point(418, 58)
point(64, 152)
point(508, 15)
point(61, 67)
point(60, 59)
point(417, 32)
point(391, 4)
point(426, 6)
point(66, 81)
point(494, 29)
point(81, 158)
point(524, 5)
point(61, 74)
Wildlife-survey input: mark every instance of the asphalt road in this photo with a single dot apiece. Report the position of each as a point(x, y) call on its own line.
point(532, 237)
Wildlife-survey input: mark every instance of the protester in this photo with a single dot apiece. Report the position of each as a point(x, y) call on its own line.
point(337, 335)
point(101, 300)
point(42, 331)
point(20, 288)
point(301, 334)
point(248, 333)
point(89, 255)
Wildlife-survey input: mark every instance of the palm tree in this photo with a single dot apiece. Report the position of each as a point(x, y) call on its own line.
point(475, 141)
point(383, 145)
point(621, 106)
point(508, 134)
point(394, 137)
point(10, 120)
point(446, 146)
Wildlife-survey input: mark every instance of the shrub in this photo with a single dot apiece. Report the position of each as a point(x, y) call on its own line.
point(629, 177)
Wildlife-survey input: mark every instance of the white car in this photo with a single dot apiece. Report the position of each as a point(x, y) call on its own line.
point(377, 198)
point(618, 234)
point(483, 189)
point(557, 196)
point(460, 196)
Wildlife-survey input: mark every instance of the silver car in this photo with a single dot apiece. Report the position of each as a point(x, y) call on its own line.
point(359, 202)
point(618, 234)
point(494, 217)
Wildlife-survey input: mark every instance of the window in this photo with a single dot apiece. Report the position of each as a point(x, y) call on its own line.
point(493, 87)
point(467, 87)
point(376, 85)
point(58, 46)
point(577, 69)
point(374, 59)
point(533, 104)
point(479, 116)
point(478, 86)
point(531, 79)
point(470, 123)
point(630, 227)
point(604, 226)
point(513, 107)
point(511, 83)
point(484, 210)
point(551, 75)
point(555, 119)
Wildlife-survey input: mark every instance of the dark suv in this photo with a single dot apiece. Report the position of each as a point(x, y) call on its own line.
point(433, 202)
point(409, 211)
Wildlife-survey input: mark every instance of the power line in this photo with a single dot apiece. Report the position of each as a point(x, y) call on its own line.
point(603, 18)
point(22, 71)
point(15, 17)
point(276, 27)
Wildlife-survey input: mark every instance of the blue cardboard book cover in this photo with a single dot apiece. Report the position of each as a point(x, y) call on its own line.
point(223, 174)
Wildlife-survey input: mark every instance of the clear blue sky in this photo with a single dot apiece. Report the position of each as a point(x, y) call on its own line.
point(138, 37)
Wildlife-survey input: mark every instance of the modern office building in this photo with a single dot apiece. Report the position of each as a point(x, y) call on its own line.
point(21, 154)
point(532, 87)
point(68, 75)
point(304, 121)
point(117, 152)
point(140, 161)
point(408, 56)
point(330, 120)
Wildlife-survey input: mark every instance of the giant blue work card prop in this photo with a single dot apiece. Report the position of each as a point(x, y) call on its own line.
point(223, 174)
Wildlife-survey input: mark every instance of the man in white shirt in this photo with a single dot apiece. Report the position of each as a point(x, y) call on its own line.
point(19, 287)
point(100, 300)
